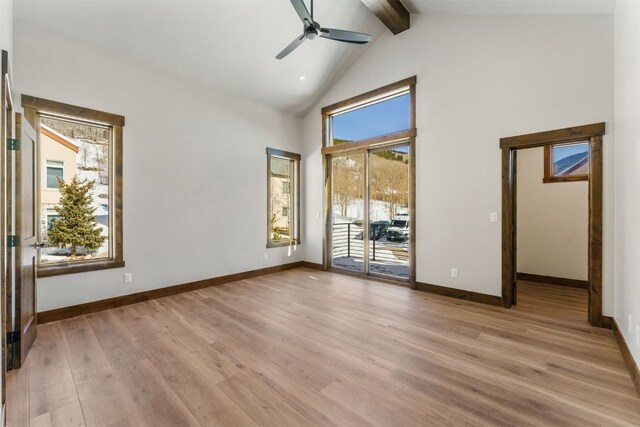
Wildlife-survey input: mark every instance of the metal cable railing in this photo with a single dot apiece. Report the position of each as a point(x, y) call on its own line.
point(348, 242)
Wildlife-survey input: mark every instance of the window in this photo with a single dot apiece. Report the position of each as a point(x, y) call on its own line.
point(568, 162)
point(80, 189)
point(378, 117)
point(52, 215)
point(368, 147)
point(283, 198)
point(54, 171)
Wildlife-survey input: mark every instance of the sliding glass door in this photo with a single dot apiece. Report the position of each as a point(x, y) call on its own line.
point(371, 186)
point(347, 212)
point(389, 213)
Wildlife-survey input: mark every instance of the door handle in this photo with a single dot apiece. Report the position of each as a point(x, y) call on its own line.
point(39, 245)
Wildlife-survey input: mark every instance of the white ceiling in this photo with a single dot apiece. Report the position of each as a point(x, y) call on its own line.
point(231, 44)
point(502, 7)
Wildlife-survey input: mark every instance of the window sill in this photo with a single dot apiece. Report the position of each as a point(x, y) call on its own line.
point(272, 244)
point(79, 267)
point(569, 178)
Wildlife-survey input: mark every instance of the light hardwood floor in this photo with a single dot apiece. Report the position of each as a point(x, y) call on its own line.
point(304, 347)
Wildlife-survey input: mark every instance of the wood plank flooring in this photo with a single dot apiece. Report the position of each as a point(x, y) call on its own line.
point(304, 347)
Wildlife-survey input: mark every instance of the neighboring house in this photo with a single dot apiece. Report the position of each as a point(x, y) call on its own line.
point(58, 159)
point(577, 164)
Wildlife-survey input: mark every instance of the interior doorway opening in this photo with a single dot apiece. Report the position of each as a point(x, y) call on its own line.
point(552, 223)
point(593, 134)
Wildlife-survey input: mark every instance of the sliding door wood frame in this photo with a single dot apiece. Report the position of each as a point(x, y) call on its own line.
point(593, 133)
point(365, 146)
point(6, 280)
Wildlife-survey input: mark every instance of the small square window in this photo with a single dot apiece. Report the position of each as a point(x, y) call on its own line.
point(569, 162)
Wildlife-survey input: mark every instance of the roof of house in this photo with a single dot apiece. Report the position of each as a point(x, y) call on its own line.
point(571, 164)
point(60, 138)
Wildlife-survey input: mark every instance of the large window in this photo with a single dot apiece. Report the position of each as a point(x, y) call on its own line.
point(80, 189)
point(569, 162)
point(283, 197)
point(379, 117)
point(368, 145)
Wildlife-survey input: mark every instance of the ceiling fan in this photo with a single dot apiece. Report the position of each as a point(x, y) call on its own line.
point(312, 30)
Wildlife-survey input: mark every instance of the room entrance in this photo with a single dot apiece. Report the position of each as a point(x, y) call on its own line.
point(370, 211)
point(569, 139)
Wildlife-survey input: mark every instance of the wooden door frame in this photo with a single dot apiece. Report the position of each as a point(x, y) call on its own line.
point(593, 133)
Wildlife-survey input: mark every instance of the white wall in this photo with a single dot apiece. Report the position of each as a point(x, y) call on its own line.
point(6, 26)
point(553, 221)
point(627, 198)
point(194, 167)
point(479, 78)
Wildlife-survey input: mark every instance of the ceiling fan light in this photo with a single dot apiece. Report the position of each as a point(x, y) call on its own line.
point(312, 34)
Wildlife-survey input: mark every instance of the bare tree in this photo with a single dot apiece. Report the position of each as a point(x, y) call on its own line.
point(347, 182)
point(102, 161)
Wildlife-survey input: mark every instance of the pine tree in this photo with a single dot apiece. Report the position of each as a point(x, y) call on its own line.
point(77, 225)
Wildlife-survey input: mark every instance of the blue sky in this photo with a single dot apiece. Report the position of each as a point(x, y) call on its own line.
point(377, 119)
point(560, 153)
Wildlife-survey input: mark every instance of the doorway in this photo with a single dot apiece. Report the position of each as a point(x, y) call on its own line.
point(371, 212)
point(593, 134)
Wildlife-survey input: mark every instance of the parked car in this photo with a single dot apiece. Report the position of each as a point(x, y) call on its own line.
point(377, 229)
point(398, 230)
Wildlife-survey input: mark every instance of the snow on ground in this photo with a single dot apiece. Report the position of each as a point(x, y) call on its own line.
point(379, 210)
point(101, 204)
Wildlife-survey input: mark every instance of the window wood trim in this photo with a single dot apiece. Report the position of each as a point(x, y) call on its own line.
point(273, 152)
point(32, 107)
point(381, 141)
point(45, 105)
point(550, 178)
point(366, 97)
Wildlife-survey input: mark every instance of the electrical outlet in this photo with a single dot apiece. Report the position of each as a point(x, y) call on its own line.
point(493, 217)
point(266, 256)
point(454, 272)
point(630, 324)
point(128, 277)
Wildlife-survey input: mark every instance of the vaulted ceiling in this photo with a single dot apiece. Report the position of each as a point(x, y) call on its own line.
point(231, 44)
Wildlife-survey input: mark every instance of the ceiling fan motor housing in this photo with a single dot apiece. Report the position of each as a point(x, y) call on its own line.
point(311, 33)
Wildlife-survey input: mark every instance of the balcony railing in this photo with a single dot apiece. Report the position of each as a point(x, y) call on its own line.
point(348, 242)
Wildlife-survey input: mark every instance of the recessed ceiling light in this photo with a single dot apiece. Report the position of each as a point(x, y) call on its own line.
point(302, 78)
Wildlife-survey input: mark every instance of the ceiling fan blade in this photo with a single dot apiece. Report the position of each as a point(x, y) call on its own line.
point(302, 11)
point(294, 44)
point(344, 36)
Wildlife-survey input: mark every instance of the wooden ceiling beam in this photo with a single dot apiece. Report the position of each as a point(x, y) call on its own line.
point(392, 13)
